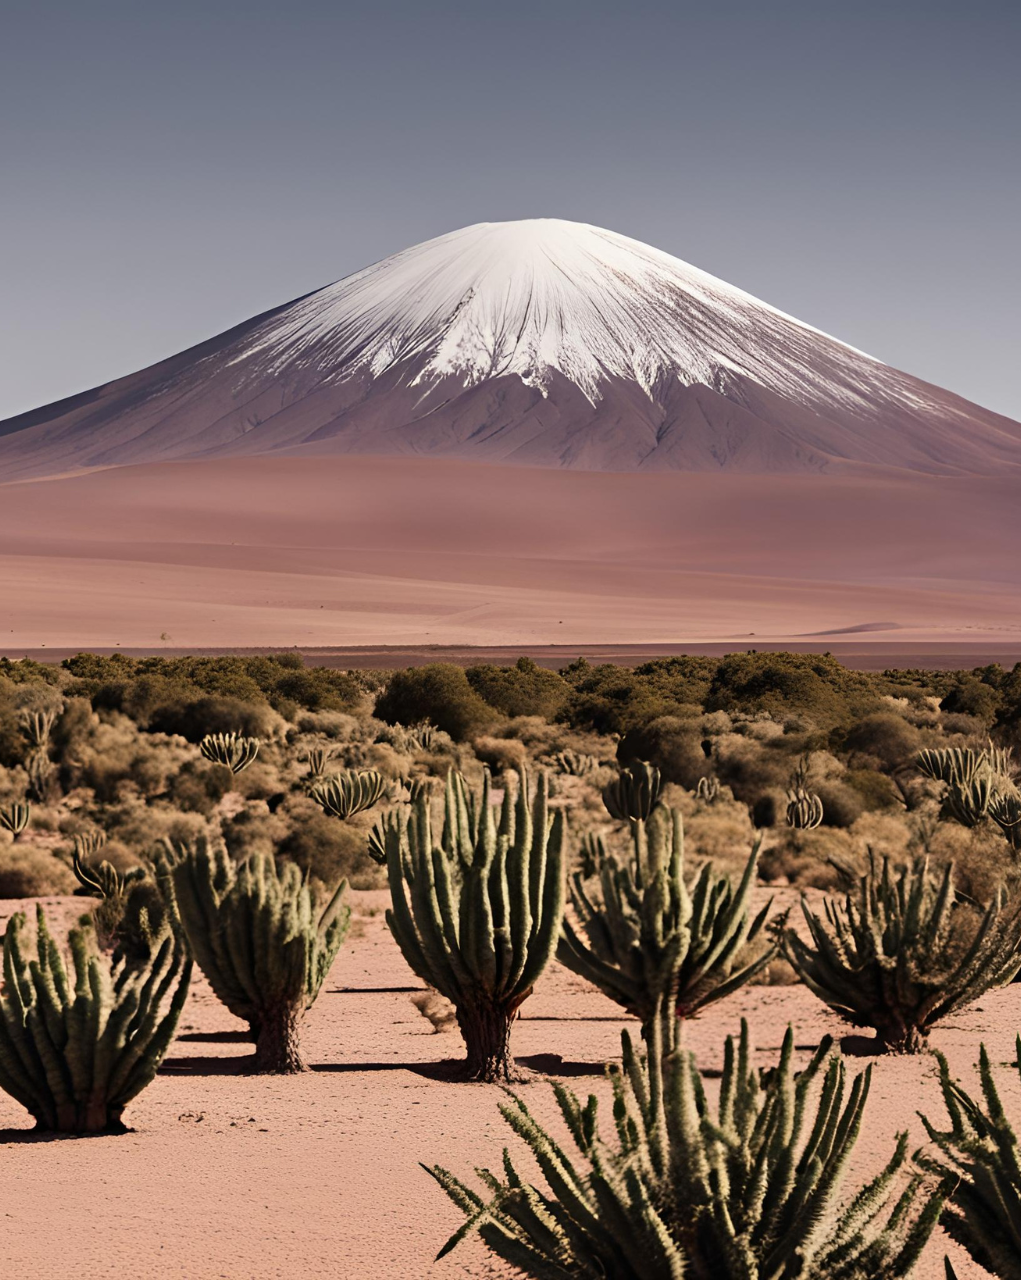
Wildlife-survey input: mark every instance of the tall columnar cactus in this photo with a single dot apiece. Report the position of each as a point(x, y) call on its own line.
point(233, 750)
point(262, 937)
point(75, 1055)
point(978, 1158)
point(346, 794)
point(653, 943)
point(634, 793)
point(477, 914)
point(14, 817)
point(894, 955)
point(747, 1189)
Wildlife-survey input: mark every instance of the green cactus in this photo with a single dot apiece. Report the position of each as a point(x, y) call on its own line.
point(232, 750)
point(654, 943)
point(477, 915)
point(893, 955)
point(748, 1189)
point(130, 918)
point(634, 793)
point(578, 764)
point(345, 794)
point(75, 1056)
point(14, 817)
point(978, 1158)
point(392, 821)
point(263, 938)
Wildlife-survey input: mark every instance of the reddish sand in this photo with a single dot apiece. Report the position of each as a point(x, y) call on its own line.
point(340, 551)
point(254, 1178)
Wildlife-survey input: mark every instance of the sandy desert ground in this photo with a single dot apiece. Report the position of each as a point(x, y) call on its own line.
point(304, 551)
point(231, 1177)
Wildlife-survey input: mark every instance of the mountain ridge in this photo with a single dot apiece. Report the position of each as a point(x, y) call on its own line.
point(539, 343)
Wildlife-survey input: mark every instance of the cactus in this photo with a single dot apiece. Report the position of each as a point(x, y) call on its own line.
point(634, 793)
point(748, 1189)
point(708, 789)
point(977, 782)
point(592, 854)
point(232, 750)
point(318, 758)
point(75, 1056)
point(393, 821)
point(576, 763)
point(14, 817)
point(804, 809)
point(131, 917)
point(40, 773)
point(884, 957)
point(36, 726)
point(655, 943)
point(262, 937)
point(978, 1158)
point(1005, 811)
point(346, 794)
point(478, 915)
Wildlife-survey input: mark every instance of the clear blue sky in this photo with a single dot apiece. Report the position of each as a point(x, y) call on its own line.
point(167, 170)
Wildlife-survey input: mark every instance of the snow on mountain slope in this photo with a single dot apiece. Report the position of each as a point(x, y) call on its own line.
point(542, 342)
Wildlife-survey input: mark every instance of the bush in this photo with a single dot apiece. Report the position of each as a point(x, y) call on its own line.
point(28, 871)
point(502, 755)
point(439, 693)
point(525, 689)
point(672, 744)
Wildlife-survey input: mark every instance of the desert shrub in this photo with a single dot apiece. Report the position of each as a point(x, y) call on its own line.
point(33, 871)
point(324, 848)
point(672, 744)
point(790, 685)
point(611, 699)
point(883, 736)
point(439, 693)
point(970, 696)
point(841, 805)
point(195, 719)
point(500, 754)
point(526, 689)
point(199, 787)
point(874, 790)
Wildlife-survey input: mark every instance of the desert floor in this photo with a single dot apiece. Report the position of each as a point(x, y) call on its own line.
point(310, 552)
point(253, 1178)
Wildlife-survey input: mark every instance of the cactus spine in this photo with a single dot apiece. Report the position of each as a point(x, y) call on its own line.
point(881, 959)
point(652, 943)
point(263, 939)
point(14, 817)
point(75, 1056)
point(230, 749)
point(746, 1190)
point(477, 916)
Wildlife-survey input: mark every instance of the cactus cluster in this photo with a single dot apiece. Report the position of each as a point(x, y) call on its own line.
point(578, 764)
point(746, 1189)
point(14, 817)
point(345, 794)
point(634, 793)
point(232, 750)
point(477, 914)
point(76, 1053)
point(652, 942)
point(979, 784)
point(893, 955)
point(262, 936)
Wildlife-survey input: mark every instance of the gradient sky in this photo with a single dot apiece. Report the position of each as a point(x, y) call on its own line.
point(167, 170)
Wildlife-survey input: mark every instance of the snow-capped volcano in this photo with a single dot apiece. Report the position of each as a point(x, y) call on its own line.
point(541, 342)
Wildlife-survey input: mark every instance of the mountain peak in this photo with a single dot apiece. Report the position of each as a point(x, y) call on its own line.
point(542, 342)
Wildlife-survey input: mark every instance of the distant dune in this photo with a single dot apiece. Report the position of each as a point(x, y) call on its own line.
point(357, 550)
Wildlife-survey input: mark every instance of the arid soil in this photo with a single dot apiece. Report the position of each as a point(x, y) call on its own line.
point(254, 1178)
point(312, 552)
